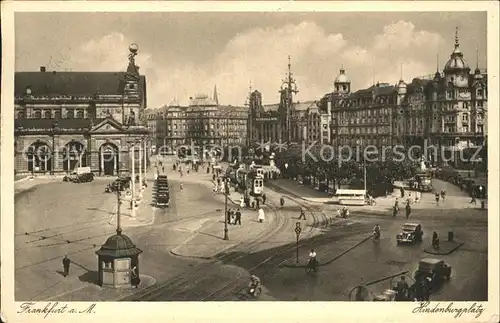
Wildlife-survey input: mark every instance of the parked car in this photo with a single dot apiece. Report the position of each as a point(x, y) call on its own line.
point(434, 271)
point(410, 233)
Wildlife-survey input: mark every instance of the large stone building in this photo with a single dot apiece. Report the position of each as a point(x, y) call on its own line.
point(204, 122)
point(447, 110)
point(65, 120)
point(289, 120)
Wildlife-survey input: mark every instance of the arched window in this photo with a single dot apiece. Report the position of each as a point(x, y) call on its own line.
point(38, 114)
point(79, 114)
point(57, 115)
point(70, 114)
point(47, 114)
point(20, 115)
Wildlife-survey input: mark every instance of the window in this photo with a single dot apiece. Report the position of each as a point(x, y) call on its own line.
point(20, 115)
point(480, 104)
point(57, 115)
point(465, 129)
point(480, 92)
point(47, 114)
point(79, 114)
point(465, 117)
point(38, 114)
point(70, 114)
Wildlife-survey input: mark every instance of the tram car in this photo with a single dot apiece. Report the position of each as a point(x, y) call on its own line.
point(162, 191)
point(251, 181)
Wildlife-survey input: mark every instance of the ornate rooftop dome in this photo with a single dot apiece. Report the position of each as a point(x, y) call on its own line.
point(456, 61)
point(342, 78)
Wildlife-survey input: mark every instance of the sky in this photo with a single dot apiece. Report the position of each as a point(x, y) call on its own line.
point(183, 54)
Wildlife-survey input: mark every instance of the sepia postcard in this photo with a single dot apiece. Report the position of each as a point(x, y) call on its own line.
point(249, 161)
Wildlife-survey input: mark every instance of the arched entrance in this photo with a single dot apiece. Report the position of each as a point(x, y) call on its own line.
point(73, 156)
point(39, 157)
point(108, 159)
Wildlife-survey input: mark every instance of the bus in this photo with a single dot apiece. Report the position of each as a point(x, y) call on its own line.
point(349, 197)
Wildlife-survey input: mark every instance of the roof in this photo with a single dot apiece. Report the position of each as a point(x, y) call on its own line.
point(410, 225)
point(117, 246)
point(73, 83)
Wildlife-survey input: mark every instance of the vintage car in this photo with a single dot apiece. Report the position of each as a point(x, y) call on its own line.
point(410, 233)
point(434, 271)
point(388, 295)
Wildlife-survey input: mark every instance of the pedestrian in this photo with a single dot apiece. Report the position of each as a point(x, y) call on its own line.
point(181, 187)
point(242, 202)
point(208, 171)
point(66, 262)
point(228, 216)
point(417, 196)
point(163, 169)
point(402, 191)
point(263, 198)
point(435, 241)
point(233, 217)
point(408, 210)
point(443, 194)
point(282, 201)
point(262, 215)
point(135, 278)
point(302, 214)
point(238, 217)
point(395, 211)
point(437, 198)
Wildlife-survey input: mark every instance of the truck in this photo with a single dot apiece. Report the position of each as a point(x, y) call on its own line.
point(80, 175)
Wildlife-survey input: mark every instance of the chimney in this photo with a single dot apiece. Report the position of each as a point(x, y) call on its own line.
point(42, 69)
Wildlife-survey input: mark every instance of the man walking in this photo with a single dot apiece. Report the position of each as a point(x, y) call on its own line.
point(302, 214)
point(228, 216)
point(408, 210)
point(66, 262)
point(238, 217)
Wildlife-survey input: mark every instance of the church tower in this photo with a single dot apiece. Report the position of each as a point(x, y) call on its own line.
point(286, 108)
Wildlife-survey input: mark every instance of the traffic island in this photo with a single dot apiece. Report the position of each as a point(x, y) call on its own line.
point(207, 242)
point(445, 248)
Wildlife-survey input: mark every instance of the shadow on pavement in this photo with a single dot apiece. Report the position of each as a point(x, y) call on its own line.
point(89, 277)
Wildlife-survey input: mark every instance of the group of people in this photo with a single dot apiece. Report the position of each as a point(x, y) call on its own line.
point(395, 208)
point(233, 217)
point(440, 196)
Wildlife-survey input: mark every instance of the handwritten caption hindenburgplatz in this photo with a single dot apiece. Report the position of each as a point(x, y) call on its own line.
point(46, 309)
point(439, 308)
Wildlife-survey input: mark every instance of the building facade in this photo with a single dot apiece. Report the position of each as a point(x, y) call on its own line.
point(447, 110)
point(289, 120)
point(65, 120)
point(204, 122)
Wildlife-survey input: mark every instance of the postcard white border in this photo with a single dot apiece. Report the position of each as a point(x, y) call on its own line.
point(253, 311)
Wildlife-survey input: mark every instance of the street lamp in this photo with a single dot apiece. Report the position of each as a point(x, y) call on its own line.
point(298, 229)
point(226, 193)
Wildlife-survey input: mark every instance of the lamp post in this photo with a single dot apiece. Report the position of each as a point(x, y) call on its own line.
point(226, 192)
point(132, 201)
point(298, 229)
point(145, 159)
point(140, 165)
point(118, 207)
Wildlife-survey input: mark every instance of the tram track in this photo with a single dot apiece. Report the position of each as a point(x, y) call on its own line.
point(177, 285)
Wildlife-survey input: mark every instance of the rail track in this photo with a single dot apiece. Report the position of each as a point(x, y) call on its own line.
point(178, 283)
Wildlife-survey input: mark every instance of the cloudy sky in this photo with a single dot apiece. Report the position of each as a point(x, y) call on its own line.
point(183, 54)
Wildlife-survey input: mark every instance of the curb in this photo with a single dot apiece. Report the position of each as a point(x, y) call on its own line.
point(443, 253)
point(334, 258)
point(172, 252)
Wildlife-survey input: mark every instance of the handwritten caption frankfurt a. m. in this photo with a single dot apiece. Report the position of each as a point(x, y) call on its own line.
point(55, 308)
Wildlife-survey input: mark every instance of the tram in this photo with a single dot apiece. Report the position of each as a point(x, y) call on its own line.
point(250, 181)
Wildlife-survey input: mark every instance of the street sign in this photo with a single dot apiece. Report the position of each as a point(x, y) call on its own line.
point(298, 229)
